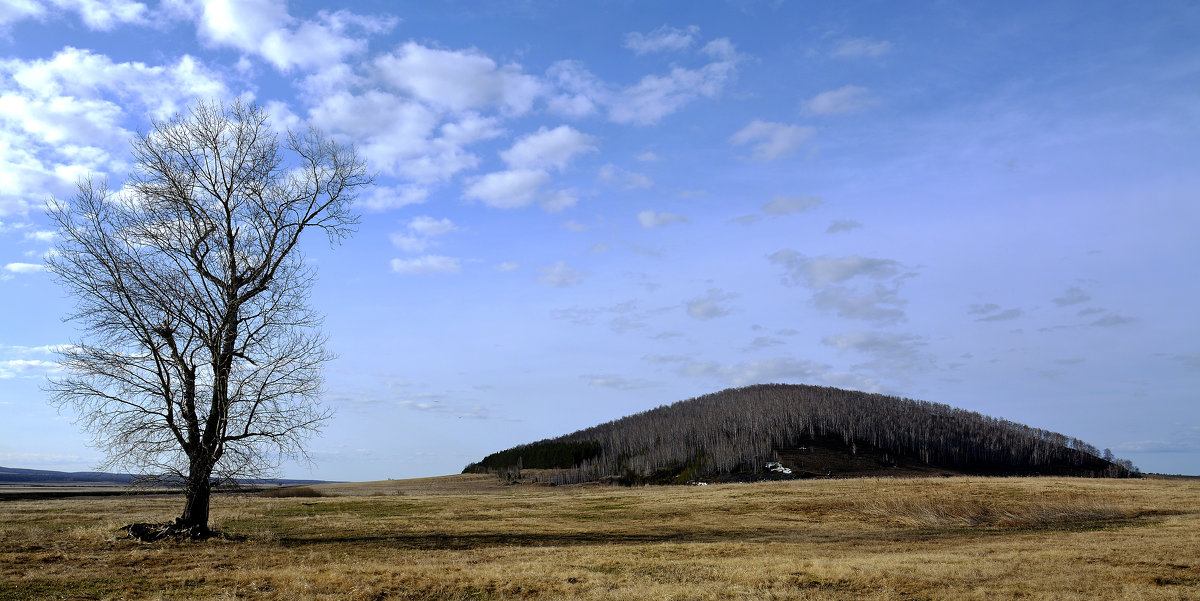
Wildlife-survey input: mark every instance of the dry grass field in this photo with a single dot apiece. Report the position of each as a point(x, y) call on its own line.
point(469, 537)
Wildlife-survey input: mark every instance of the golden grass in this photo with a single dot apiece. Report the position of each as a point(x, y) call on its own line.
point(467, 537)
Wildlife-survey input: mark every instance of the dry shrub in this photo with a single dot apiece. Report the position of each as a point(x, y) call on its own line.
point(292, 491)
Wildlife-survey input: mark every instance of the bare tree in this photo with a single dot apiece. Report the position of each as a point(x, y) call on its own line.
point(202, 359)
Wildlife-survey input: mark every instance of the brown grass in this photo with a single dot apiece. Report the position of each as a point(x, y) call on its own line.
point(470, 538)
point(291, 491)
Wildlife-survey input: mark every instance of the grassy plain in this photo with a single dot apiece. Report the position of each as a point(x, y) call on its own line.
point(469, 537)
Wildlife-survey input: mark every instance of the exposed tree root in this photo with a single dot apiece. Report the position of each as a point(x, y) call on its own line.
point(148, 532)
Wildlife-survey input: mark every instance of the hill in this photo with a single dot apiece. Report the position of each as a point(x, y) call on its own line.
point(778, 431)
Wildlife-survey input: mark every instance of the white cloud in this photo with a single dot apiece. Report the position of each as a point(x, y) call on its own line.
point(763, 342)
point(1112, 319)
point(104, 16)
point(771, 140)
point(458, 80)
point(559, 200)
point(386, 198)
point(66, 117)
point(580, 91)
point(559, 275)
point(471, 127)
point(24, 268)
point(508, 266)
point(1005, 315)
point(14, 368)
point(409, 244)
point(879, 303)
point(95, 14)
point(663, 39)
point(783, 205)
point(420, 230)
point(650, 219)
point(530, 158)
point(842, 225)
point(817, 272)
point(392, 133)
point(846, 99)
point(983, 309)
point(763, 371)
point(508, 189)
point(16, 10)
point(888, 352)
point(711, 305)
point(836, 289)
point(628, 180)
point(721, 48)
point(617, 382)
point(41, 236)
point(264, 28)
point(861, 48)
point(428, 226)
point(781, 369)
point(1073, 295)
point(548, 148)
point(647, 157)
point(82, 74)
point(657, 96)
point(427, 264)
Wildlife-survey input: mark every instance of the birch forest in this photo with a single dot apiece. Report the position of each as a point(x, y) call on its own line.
point(740, 433)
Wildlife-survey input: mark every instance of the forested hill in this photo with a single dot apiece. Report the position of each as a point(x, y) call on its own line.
point(789, 431)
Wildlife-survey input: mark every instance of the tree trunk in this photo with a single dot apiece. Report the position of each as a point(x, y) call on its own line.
point(195, 509)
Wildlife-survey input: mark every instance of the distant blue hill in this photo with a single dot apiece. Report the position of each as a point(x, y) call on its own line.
point(16, 475)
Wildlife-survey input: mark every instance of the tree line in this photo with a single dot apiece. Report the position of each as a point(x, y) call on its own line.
point(739, 430)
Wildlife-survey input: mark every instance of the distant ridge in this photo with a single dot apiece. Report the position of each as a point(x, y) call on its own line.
point(16, 475)
point(778, 431)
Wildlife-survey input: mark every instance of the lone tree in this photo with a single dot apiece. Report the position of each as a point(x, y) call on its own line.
point(202, 359)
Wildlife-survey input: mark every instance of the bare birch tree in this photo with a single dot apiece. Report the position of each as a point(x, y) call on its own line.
point(202, 358)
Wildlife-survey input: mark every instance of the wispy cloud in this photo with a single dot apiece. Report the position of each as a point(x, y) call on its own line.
point(616, 382)
point(548, 148)
point(785, 205)
point(1112, 319)
point(776, 369)
point(623, 178)
point(427, 264)
point(769, 140)
point(844, 100)
point(23, 268)
point(420, 233)
point(1073, 295)
point(559, 275)
point(663, 39)
point(510, 189)
point(889, 353)
point(992, 312)
point(24, 368)
point(842, 225)
point(841, 285)
point(650, 219)
point(861, 48)
point(712, 305)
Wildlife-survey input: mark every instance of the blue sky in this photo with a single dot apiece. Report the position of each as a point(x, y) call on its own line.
point(585, 210)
